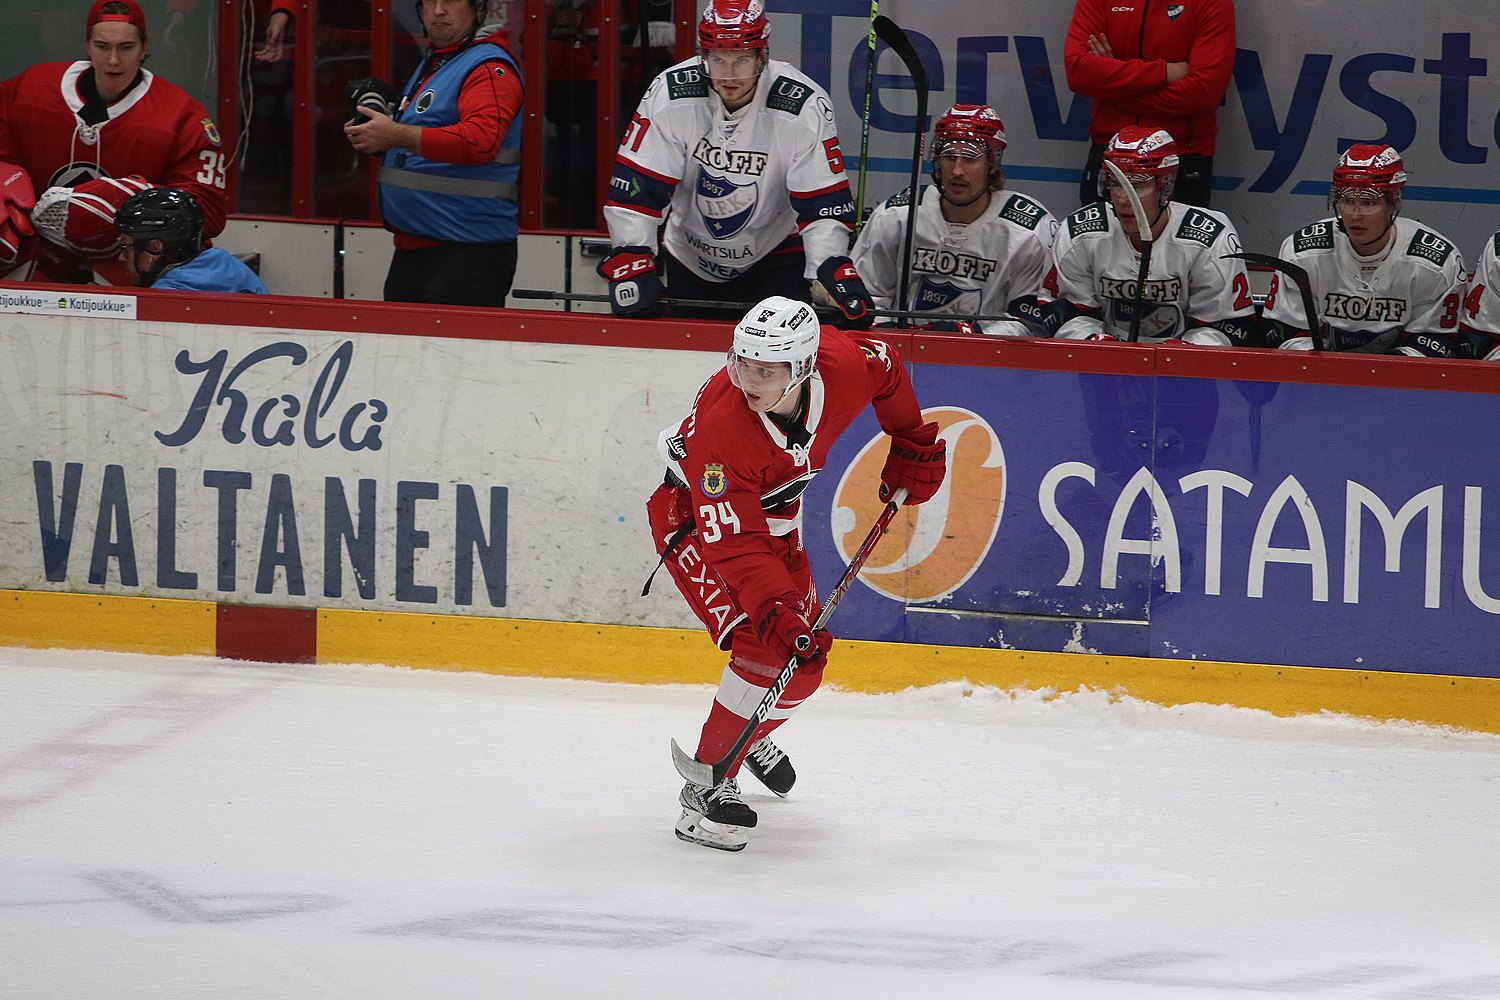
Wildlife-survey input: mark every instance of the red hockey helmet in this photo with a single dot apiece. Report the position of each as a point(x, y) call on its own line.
point(1142, 152)
point(975, 125)
point(1368, 166)
point(734, 24)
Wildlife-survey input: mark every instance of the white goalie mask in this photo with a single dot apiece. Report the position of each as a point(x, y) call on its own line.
point(776, 330)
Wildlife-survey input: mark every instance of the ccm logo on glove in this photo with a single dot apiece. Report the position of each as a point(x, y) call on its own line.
point(634, 288)
point(849, 294)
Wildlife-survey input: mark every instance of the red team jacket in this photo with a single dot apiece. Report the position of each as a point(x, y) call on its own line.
point(1131, 88)
point(746, 480)
point(155, 130)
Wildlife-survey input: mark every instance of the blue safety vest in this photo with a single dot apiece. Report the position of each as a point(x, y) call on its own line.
point(452, 202)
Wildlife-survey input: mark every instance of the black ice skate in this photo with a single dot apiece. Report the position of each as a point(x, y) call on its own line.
point(771, 766)
point(715, 817)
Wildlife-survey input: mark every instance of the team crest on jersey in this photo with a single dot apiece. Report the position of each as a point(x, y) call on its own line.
point(935, 294)
point(424, 101)
point(74, 174)
point(212, 131)
point(714, 480)
point(724, 205)
point(1174, 11)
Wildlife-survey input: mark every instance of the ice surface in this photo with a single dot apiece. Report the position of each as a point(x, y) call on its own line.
point(188, 828)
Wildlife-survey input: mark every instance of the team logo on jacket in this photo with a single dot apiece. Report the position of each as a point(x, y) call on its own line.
point(935, 294)
point(935, 548)
point(1174, 11)
point(724, 205)
point(425, 100)
point(211, 131)
point(714, 480)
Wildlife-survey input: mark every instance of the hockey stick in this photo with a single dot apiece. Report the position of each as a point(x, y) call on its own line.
point(864, 138)
point(1298, 274)
point(1144, 229)
point(710, 775)
point(901, 45)
point(542, 293)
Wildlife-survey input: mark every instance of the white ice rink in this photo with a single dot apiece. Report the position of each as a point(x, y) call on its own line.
point(187, 828)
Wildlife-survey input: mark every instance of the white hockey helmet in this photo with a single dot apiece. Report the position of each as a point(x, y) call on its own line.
point(779, 330)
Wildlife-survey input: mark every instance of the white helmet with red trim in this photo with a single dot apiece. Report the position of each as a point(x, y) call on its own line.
point(1368, 166)
point(778, 330)
point(1142, 152)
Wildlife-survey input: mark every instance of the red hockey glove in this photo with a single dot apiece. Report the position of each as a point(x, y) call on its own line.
point(17, 199)
point(634, 288)
point(952, 326)
point(849, 294)
point(784, 631)
point(83, 218)
point(917, 462)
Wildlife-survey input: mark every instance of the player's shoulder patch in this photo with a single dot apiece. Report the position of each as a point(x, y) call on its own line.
point(1200, 227)
point(1429, 246)
point(900, 199)
point(1088, 219)
point(211, 131)
point(1023, 212)
point(1318, 236)
point(686, 82)
point(787, 94)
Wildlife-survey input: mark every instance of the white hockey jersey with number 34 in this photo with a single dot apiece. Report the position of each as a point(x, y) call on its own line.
point(733, 188)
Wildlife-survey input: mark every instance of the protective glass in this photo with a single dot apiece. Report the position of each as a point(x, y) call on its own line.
point(760, 378)
point(731, 64)
point(1354, 202)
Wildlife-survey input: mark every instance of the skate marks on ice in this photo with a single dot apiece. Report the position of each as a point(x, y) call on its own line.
point(156, 897)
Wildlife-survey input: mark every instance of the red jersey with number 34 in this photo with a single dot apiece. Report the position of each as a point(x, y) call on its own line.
point(746, 475)
point(155, 130)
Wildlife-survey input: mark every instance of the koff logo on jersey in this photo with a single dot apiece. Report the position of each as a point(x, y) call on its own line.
point(934, 549)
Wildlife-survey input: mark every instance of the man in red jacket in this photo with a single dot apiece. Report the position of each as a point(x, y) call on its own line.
point(1157, 63)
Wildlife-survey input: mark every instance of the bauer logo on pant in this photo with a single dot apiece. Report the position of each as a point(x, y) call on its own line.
point(934, 549)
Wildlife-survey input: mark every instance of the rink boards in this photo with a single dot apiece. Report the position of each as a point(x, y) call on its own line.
point(303, 481)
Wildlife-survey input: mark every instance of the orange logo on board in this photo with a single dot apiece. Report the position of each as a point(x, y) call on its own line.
point(932, 549)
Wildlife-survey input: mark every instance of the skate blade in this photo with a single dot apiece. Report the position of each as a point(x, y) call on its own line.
point(694, 829)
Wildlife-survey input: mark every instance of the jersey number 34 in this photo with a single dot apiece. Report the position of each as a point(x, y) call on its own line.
point(717, 520)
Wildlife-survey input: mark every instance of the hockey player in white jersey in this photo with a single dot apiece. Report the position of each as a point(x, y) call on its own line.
point(978, 249)
point(1479, 323)
point(739, 154)
point(1192, 293)
point(1382, 284)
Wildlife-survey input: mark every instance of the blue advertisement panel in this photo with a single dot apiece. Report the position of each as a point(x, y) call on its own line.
point(1190, 518)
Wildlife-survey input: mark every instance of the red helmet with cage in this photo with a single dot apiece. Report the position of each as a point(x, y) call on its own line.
point(974, 124)
point(734, 24)
point(1368, 166)
point(1142, 152)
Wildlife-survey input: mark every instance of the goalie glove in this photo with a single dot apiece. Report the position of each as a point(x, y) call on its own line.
point(785, 632)
point(634, 288)
point(369, 92)
point(17, 199)
point(83, 218)
point(918, 462)
point(848, 292)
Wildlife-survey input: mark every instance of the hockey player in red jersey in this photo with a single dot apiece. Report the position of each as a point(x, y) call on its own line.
point(67, 125)
point(727, 522)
